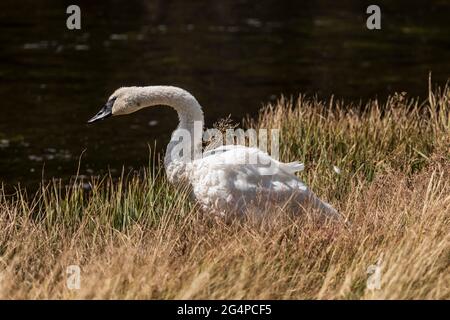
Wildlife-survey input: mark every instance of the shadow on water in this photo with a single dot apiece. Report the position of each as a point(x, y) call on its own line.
point(232, 55)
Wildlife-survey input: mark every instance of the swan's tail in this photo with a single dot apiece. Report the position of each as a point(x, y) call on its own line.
point(310, 199)
point(328, 210)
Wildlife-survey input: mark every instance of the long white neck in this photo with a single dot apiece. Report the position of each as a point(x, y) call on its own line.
point(190, 115)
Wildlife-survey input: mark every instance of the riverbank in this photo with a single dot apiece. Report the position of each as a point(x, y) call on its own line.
point(386, 168)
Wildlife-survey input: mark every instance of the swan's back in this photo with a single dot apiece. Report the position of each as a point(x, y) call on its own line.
point(237, 178)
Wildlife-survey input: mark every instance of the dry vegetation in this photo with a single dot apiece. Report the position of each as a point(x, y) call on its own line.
point(141, 238)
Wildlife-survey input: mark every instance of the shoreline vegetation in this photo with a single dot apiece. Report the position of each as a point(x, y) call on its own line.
point(386, 169)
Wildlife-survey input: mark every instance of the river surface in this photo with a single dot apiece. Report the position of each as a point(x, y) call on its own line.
point(234, 56)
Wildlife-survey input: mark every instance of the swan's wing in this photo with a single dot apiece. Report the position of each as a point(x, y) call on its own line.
point(222, 149)
point(241, 172)
point(230, 153)
point(238, 175)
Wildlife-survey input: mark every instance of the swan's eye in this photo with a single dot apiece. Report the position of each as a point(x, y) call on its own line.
point(111, 101)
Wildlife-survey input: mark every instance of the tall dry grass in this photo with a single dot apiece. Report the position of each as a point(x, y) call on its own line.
point(141, 238)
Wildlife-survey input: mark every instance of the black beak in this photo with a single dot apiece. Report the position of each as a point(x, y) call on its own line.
point(104, 113)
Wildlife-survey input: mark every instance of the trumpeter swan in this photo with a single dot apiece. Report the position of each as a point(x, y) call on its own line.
point(223, 180)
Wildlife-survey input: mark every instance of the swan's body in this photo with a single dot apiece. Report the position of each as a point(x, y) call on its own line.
point(223, 181)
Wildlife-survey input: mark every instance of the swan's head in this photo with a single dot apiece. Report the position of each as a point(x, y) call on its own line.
point(123, 101)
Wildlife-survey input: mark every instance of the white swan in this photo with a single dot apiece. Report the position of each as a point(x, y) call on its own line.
point(223, 181)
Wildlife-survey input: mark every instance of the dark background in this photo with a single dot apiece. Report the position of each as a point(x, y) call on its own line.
point(233, 56)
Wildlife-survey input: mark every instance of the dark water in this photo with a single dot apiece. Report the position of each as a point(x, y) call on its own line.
point(232, 55)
